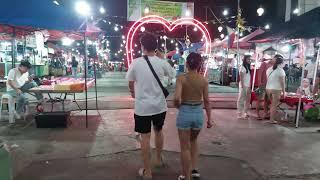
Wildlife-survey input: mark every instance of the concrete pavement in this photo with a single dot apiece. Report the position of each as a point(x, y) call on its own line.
point(234, 149)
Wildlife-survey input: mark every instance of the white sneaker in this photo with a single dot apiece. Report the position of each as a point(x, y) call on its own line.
point(17, 116)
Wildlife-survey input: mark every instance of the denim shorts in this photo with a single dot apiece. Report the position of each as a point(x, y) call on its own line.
point(190, 117)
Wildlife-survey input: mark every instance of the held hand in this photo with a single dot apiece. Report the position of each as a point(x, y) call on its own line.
point(209, 124)
point(18, 91)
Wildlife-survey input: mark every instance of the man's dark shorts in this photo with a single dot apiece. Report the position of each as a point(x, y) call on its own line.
point(143, 123)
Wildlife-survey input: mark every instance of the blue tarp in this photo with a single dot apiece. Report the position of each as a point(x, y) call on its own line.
point(40, 14)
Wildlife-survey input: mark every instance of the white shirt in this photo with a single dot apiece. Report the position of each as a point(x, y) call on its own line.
point(274, 78)
point(310, 68)
point(246, 78)
point(18, 79)
point(149, 98)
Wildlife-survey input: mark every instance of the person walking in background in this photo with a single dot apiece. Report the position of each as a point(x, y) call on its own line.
point(191, 92)
point(244, 89)
point(275, 85)
point(262, 96)
point(74, 65)
point(150, 103)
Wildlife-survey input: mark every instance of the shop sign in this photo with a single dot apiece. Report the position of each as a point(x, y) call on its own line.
point(169, 10)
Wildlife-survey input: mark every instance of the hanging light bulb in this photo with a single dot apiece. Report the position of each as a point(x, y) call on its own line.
point(172, 41)
point(220, 28)
point(188, 13)
point(260, 11)
point(221, 36)
point(146, 10)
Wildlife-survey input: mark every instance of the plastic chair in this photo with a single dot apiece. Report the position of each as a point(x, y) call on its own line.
point(8, 99)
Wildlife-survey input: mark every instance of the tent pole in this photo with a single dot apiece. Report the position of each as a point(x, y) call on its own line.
point(85, 74)
point(316, 68)
point(254, 73)
point(95, 82)
point(222, 69)
point(238, 37)
point(13, 48)
point(288, 78)
point(303, 68)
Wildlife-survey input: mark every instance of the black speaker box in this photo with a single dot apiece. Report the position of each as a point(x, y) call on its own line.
point(52, 119)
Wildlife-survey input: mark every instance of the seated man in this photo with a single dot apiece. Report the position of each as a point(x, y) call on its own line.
point(18, 83)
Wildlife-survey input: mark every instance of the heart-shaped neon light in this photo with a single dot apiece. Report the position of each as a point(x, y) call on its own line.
point(170, 26)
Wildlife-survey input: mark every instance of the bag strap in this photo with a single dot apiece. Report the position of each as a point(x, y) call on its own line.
point(153, 72)
point(270, 73)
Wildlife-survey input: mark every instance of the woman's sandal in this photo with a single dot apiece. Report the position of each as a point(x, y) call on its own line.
point(142, 174)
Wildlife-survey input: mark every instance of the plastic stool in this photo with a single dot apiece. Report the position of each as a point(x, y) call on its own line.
point(8, 99)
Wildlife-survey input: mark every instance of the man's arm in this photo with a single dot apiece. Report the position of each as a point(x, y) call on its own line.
point(131, 89)
point(131, 78)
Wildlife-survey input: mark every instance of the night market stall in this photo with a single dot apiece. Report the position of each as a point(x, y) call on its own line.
point(50, 16)
point(298, 41)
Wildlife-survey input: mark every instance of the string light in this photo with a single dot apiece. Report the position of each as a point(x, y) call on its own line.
point(220, 28)
point(296, 11)
point(195, 29)
point(267, 26)
point(172, 41)
point(221, 36)
point(142, 29)
point(116, 28)
point(188, 13)
point(225, 12)
point(260, 11)
point(102, 10)
point(146, 10)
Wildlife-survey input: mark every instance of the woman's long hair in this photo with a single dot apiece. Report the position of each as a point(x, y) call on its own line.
point(245, 63)
point(279, 60)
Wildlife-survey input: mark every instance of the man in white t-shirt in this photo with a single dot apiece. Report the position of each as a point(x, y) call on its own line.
point(150, 102)
point(19, 82)
point(309, 70)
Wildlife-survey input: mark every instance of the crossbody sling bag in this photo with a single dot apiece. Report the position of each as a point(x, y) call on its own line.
point(164, 90)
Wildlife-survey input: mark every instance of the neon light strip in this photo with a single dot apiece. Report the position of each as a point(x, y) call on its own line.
point(170, 26)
